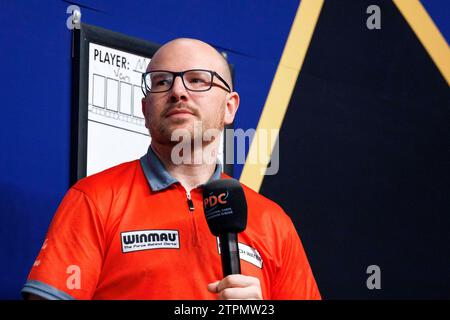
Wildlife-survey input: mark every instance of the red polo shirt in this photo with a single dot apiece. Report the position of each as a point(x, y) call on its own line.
point(129, 233)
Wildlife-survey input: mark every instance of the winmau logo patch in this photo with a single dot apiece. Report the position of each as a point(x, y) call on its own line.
point(149, 239)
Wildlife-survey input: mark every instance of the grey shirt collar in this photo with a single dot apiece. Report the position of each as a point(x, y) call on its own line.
point(158, 177)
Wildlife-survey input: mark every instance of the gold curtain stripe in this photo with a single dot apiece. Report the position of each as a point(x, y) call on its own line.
point(282, 87)
point(428, 34)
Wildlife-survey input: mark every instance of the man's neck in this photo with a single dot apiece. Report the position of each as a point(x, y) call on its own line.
point(189, 173)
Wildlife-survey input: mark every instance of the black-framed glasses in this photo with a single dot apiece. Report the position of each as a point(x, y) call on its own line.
point(197, 80)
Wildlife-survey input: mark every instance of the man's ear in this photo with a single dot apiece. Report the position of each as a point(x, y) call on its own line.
point(143, 111)
point(231, 107)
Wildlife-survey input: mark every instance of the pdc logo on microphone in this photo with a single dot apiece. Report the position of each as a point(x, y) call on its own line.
point(213, 200)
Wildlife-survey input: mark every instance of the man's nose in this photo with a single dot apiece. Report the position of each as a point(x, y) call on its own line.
point(178, 91)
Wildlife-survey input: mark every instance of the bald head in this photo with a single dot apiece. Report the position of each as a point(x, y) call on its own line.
point(184, 53)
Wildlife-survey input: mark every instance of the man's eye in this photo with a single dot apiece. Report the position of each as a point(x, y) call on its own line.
point(162, 82)
point(197, 80)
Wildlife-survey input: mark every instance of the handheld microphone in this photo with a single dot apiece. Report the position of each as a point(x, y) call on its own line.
point(226, 214)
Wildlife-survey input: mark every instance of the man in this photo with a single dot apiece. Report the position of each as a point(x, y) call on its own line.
point(138, 231)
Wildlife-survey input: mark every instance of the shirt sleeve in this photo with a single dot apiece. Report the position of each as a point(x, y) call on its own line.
point(294, 279)
point(69, 263)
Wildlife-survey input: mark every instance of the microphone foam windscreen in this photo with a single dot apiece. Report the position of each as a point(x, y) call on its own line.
point(225, 206)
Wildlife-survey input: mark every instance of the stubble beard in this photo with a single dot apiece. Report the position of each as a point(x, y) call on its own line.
point(163, 132)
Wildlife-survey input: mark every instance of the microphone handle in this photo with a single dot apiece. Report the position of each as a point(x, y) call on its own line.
point(229, 252)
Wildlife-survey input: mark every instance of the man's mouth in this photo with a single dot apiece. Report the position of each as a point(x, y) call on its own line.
point(176, 112)
point(179, 112)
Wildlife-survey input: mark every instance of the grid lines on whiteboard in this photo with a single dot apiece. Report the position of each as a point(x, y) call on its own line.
point(116, 99)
